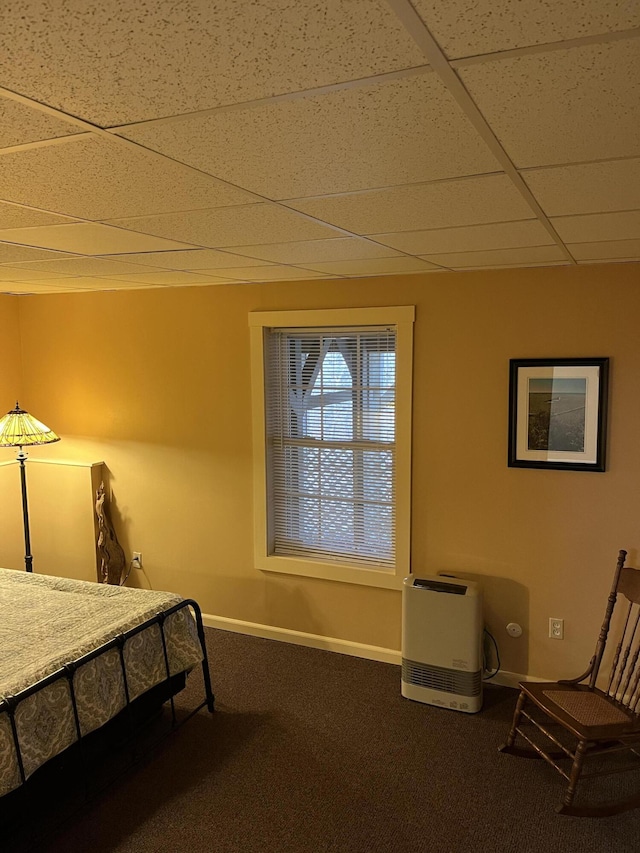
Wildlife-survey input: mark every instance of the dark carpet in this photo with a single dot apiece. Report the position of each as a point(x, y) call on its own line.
point(315, 752)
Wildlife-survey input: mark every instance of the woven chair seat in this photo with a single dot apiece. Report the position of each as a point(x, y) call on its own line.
point(589, 709)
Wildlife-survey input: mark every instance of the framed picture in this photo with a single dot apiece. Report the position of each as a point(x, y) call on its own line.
point(558, 413)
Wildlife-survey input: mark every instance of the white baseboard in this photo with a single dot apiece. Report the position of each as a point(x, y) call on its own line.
point(331, 644)
point(512, 679)
point(301, 638)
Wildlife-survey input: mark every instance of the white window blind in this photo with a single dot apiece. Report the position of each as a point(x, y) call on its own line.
point(330, 419)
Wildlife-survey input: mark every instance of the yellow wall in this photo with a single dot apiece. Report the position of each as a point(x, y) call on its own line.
point(62, 520)
point(11, 370)
point(156, 383)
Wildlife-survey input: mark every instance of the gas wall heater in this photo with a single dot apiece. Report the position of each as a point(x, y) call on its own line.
point(442, 629)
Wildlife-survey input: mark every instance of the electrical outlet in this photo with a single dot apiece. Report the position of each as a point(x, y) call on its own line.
point(556, 628)
point(136, 560)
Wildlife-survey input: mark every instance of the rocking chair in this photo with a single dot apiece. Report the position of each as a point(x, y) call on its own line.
point(601, 722)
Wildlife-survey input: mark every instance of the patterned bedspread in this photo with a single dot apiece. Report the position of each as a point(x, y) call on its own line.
point(46, 622)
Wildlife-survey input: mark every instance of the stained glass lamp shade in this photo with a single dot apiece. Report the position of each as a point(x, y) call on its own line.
point(20, 429)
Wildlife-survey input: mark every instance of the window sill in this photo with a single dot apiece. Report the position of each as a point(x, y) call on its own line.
point(346, 573)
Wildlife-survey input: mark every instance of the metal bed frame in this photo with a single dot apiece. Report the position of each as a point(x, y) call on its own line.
point(67, 671)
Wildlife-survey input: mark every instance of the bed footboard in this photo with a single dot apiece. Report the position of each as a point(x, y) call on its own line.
point(66, 676)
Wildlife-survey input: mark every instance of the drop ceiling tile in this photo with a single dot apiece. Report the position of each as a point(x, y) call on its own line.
point(587, 188)
point(634, 261)
point(13, 216)
point(497, 235)
point(372, 266)
point(492, 257)
point(168, 277)
point(82, 267)
point(88, 238)
point(468, 29)
point(598, 227)
point(193, 259)
point(304, 251)
point(562, 106)
point(20, 124)
point(204, 282)
point(25, 287)
point(67, 283)
point(109, 61)
point(352, 139)
point(231, 226)
point(9, 273)
point(96, 283)
point(467, 201)
point(11, 253)
point(94, 178)
point(231, 275)
point(610, 249)
point(518, 266)
point(276, 272)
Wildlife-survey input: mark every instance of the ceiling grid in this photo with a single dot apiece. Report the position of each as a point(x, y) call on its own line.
point(177, 145)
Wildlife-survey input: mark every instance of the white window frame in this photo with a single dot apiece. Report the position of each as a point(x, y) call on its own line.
point(402, 317)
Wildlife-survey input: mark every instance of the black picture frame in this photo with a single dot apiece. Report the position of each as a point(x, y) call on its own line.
point(558, 413)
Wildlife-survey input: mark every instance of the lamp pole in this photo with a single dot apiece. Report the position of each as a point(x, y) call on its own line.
point(28, 557)
point(20, 429)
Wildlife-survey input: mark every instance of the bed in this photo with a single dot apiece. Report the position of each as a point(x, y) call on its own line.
point(75, 655)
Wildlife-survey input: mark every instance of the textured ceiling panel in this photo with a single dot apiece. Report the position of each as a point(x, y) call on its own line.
point(12, 216)
point(498, 257)
point(468, 29)
point(20, 124)
point(599, 226)
point(612, 249)
point(11, 253)
point(94, 283)
point(193, 259)
point(9, 273)
point(82, 266)
point(359, 138)
point(500, 235)
point(515, 266)
point(304, 251)
point(464, 202)
point(230, 226)
point(95, 178)
point(164, 278)
point(587, 188)
point(563, 106)
point(372, 266)
point(201, 282)
point(116, 61)
point(273, 272)
point(288, 139)
point(58, 285)
point(88, 238)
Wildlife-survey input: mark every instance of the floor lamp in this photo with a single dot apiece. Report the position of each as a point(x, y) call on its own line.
point(20, 429)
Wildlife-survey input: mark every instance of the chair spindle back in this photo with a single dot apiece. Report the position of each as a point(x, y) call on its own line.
point(596, 660)
point(624, 676)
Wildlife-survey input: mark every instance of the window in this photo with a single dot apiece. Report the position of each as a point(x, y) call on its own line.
point(332, 435)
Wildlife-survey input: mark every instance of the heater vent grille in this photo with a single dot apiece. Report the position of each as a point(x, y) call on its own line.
point(441, 678)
